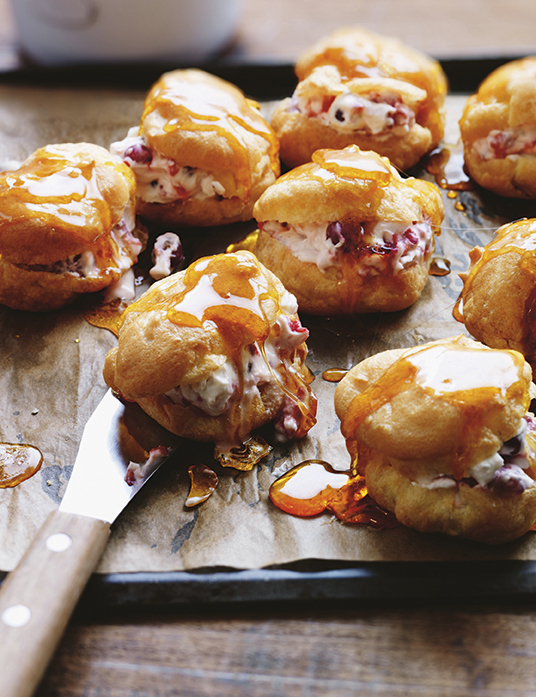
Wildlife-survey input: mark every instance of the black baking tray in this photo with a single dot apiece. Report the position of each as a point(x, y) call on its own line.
point(261, 80)
point(306, 580)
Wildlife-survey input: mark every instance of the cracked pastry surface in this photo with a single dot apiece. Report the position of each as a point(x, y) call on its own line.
point(216, 351)
point(67, 226)
point(203, 153)
point(498, 129)
point(358, 87)
point(497, 302)
point(346, 234)
point(443, 436)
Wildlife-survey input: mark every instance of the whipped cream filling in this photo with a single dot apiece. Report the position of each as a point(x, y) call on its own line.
point(519, 140)
point(167, 254)
point(215, 394)
point(159, 178)
point(380, 245)
point(373, 114)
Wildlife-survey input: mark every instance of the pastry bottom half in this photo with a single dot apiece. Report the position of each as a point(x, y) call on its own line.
point(334, 291)
point(475, 513)
point(234, 425)
point(300, 135)
point(35, 291)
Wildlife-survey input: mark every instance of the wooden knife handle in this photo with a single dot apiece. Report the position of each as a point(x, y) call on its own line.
point(38, 597)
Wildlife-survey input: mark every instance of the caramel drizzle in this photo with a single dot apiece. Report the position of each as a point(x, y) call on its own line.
point(203, 106)
point(230, 291)
point(476, 402)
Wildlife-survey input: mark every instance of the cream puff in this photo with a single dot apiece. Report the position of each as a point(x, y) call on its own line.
point(498, 300)
point(67, 227)
point(215, 352)
point(443, 436)
point(359, 87)
point(203, 153)
point(498, 130)
point(347, 234)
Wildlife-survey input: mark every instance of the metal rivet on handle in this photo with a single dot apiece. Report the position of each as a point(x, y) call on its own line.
point(58, 542)
point(16, 615)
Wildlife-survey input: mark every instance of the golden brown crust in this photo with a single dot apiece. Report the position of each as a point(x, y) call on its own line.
point(505, 101)
point(500, 290)
point(36, 291)
point(409, 436)
point(201, 121)
point(313, 194)
point(360, 61)
point(302, 196)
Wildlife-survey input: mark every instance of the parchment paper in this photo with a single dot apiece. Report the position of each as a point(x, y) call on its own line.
point(50, 382)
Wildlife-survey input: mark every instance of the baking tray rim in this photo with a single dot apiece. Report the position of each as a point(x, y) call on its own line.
point(308, 579)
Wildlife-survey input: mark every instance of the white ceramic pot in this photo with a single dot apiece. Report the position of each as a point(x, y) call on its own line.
point(60, 32)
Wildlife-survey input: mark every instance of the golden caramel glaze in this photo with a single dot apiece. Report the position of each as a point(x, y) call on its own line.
point(350, 187)
point(201, 121)
point(62, 201)
point(188, 325)
point(439, 408)
point(349, 183)
point(414, 417)
point(18, 462)
point(504, 105)
point(497, 302)
point(363, 62)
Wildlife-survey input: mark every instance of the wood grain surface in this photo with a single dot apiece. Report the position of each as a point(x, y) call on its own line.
point(338, 651)
point(330, 650)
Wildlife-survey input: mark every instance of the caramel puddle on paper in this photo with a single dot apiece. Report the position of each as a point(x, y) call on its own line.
point(106, 316)
point(447, 169)
point(247, 243)
point(334, 374)
point(313, 487)
point(18, 463)
point(244, 456)
point(439, 267)
point(203, 483)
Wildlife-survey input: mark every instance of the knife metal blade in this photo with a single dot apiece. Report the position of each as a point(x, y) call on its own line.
point(115, 435)
point(38, 597)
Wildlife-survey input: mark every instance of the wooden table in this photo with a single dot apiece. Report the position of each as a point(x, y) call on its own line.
point(315, 649)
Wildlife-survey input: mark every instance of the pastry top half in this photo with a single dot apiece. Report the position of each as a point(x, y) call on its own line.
point(203, 152)
point(346, 233)
point(359, 87)
point(215, 351)
point(498, 129)
point(444, 409)
point(67, 226)
point(359, 53)
point(349, 184)
point(497, 302)
point(63, 200)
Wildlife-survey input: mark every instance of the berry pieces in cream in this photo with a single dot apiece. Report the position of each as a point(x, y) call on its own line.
point(203, 153)
point(347, 234)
